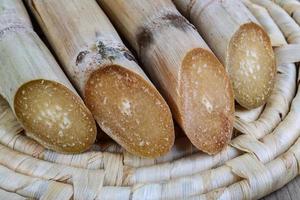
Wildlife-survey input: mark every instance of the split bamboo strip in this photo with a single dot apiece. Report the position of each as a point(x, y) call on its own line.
point(292, 7)
point(239, 42)
point(122, 99)
point(37, 90)
point(263, 17)
point(182, 66)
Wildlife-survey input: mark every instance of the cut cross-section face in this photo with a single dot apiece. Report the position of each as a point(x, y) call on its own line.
point(54, 116)
point(130, 110)
point(207, 101)
point(251, 66)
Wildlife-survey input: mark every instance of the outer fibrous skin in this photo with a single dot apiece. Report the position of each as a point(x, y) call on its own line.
point(181, 65)
point(239, 42)
point(122, 99)
point(42, 98)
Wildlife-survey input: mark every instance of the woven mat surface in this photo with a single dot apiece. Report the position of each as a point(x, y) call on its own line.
point(290, 192)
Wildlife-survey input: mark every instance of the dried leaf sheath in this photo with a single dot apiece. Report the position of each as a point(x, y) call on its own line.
point(37, 90)
point(182, 67)
point(240, 43)
point(122, 99)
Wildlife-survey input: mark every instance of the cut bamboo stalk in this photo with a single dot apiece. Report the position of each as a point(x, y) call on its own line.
point(240, 43)
point(40, 95)
point(122, 99)
point(184, 69)
point(292, 7)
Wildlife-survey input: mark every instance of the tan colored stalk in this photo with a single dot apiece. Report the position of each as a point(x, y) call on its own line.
point(122, 99)
point(40, 95)
point(189, 76)
point(239, 42)
point(292, 7)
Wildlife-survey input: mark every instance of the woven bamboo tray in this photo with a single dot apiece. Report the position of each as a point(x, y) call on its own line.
point(262, 158)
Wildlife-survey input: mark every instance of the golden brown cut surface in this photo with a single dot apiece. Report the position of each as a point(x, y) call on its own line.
point(50, 113)
point(251, 65)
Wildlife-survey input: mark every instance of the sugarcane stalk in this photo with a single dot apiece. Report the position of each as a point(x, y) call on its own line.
point(37, 90)
point(181, 65)
point(240, 43)
point(122, 99)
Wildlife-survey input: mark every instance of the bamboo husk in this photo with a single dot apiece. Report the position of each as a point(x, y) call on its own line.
point(105, 72)
point(292, 7)
point(240, 43)
point(40, 95)
point(173, 53)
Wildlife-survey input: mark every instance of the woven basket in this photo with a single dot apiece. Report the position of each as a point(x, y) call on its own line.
point(262, 158)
